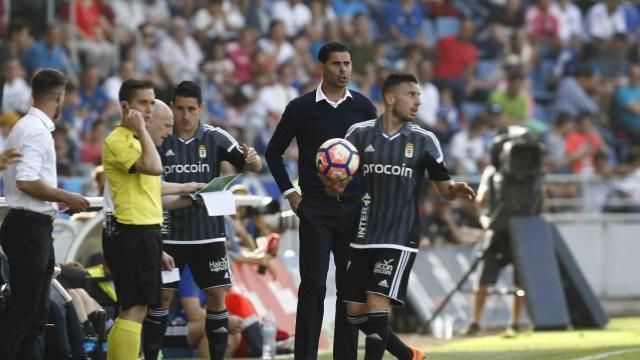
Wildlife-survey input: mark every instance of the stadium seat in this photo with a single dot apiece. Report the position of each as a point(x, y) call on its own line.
point(485, 68)
point(447, 26)
point(72, 184)
point(430, 35)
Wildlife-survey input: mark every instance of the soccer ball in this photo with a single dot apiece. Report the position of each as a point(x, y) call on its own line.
point(337, 158)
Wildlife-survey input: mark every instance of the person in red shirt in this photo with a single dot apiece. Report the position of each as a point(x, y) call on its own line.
point(541, 23)
point(582, 144)
point(455, 62)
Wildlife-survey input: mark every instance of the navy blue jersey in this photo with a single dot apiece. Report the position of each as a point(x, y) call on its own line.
point(394, 169)
point(197, 160)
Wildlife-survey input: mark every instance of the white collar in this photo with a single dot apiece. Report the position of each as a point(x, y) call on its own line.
point(321, 96)
point(46, 121)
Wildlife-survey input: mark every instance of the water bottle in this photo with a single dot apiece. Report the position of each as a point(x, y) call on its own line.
point(268, 337)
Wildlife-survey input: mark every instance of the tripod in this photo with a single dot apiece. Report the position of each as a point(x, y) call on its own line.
point(427, 323)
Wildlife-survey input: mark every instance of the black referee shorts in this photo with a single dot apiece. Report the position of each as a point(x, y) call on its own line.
point(208, 262)
point(133, 253)
point(380, 271)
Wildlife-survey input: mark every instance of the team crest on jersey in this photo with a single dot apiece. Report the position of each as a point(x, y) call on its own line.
point(202, 150)
point(408, 150)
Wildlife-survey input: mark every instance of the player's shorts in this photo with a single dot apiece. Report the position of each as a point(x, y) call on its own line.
point(381, 271)
point(208, 262)
point(133, 254)
point(496, 256)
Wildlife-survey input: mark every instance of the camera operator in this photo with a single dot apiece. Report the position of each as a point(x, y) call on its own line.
point(510, 186)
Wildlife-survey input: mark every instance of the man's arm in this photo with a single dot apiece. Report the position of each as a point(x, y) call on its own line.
point(149, 162)
point(40, 190)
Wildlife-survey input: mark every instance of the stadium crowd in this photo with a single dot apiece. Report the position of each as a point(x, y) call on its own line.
point(568, 70)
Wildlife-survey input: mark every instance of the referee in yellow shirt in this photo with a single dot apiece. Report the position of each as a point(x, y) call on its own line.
point(134, 252)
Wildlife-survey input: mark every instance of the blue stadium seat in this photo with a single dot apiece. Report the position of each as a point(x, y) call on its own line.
point(430, 35)
point(447, 26)
point(485, 67)
point(72, 184)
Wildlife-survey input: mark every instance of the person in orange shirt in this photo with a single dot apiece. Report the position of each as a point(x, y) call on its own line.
point(582, 144)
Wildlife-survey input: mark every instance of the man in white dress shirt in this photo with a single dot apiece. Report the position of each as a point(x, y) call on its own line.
point(32, 195)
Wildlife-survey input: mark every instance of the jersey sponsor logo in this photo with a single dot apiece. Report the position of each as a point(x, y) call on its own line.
point(408, 150)
point(369, 148)
point(364, 216)
point(383, 283)
point(219, 265)
point(383, 267)
point(186, 168)
point(403, 170)
point(202, 151)
point(170, 153)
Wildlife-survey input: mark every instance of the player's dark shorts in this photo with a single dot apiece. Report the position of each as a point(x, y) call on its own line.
point(133, 254)
point(208, 262)
point(382, 271)
point(496, 256)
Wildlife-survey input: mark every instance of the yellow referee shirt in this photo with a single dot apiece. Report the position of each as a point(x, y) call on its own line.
point(136, 197)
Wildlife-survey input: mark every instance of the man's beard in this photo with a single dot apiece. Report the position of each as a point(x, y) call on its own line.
point(56, 114)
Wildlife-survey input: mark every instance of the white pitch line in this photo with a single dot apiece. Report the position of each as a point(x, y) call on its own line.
point(612, 353)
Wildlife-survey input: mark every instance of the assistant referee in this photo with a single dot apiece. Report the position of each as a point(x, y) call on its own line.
point(327, 224)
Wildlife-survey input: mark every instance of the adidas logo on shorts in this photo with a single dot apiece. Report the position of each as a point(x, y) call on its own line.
point(383, 283)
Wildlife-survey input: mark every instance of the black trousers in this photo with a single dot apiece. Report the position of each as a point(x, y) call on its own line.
point(327, 225)
point(26, 240)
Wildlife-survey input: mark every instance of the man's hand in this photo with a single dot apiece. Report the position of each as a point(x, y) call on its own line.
point(192, 187)
point(461, 190)
point(8, 157)
point(294, 201)
point(334, 187)
point(167, 262)
point(251, 158)
point(235, 324)
point(76, 202)
point(135, 120)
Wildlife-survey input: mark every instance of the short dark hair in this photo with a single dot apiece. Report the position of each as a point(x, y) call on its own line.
point(46, 81)
point(129, 87)
point(331, 47)
point(187, 89)
point(17, 25)
point(395, 79)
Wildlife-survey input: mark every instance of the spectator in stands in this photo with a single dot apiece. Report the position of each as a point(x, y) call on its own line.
point(16, 93)
point(569, 20)
point(49, 52)
point(429, 96)
point(519, 51)
point(508, 17)
point(276, 46)
point(66, 152)
point(513, 101)
point(179, 53)
point(17, 42)
point(557, 160)
point(129, 15)
point(91, 151)
point(94, 99)
point(361, 44)
point(627, 104)
point(403, 22)
point(258, 15)
point(112, 84)
point(541, 23)
point(211, 22)
point(241, 54)
point(156, 11)
point(573, 94)
point(582, 144)
point(273, 98)
point(455, 62)
point(294, 14)
point(322, 16)
point(605, 19)
point(468, 149)
point(443, 225)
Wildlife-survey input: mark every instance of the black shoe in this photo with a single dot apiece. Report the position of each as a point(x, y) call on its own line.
point(471, 329)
